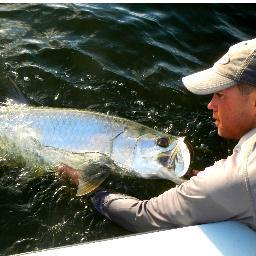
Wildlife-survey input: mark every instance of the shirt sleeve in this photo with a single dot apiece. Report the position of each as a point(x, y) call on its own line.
point(218, 193)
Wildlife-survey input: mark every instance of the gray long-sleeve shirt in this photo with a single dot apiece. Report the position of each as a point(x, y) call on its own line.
point(226, 190)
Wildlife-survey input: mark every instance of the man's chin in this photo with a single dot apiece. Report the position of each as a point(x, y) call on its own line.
point(223, 134)
point(228, 136)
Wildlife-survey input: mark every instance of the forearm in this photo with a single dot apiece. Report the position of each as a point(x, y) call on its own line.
point(208, 197)
point(119, 208)
point(133, 214)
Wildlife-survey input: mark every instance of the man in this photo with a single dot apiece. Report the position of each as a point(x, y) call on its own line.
point(226, 190)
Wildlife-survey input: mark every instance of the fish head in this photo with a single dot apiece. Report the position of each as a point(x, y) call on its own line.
point(161, 156)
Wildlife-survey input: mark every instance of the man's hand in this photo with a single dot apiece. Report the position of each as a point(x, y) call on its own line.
point(194, 172)
point(66, 171)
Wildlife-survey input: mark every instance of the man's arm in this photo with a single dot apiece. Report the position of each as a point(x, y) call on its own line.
point(211, 196)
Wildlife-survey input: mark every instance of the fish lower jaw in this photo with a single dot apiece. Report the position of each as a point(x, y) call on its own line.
point(170, 176)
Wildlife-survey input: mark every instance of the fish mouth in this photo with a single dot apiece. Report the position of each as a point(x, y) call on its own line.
point(177, 160)
point(190, 148)
point(182, 157)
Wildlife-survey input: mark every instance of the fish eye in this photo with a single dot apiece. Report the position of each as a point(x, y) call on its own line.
point(163, 142)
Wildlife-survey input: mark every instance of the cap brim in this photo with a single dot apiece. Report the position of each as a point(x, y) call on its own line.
point(207, 82)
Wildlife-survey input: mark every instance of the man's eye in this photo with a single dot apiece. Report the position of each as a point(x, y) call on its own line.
point(219, 95)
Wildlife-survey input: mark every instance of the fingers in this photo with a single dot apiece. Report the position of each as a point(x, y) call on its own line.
point(194, 172)
point(66, 171)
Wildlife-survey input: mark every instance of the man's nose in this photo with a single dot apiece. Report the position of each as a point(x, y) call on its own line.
point(211, 105)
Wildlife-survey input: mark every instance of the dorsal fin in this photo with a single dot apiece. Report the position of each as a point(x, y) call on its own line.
point(11, 91)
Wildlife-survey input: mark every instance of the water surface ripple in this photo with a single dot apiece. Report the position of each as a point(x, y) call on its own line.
point(121, 59)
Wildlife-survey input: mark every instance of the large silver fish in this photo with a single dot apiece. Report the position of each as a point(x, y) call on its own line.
point(41, 138)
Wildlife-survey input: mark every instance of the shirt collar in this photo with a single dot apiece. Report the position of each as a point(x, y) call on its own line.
point(243, 139)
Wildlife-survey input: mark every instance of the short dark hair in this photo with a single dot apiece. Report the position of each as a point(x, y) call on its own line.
point(246, 88)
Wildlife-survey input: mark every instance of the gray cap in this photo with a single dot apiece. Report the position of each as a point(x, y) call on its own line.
point(237, 66)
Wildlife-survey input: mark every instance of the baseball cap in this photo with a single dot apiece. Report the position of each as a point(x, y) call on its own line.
point(237, 66)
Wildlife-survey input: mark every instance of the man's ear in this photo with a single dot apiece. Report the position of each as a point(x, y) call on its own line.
point(254, 98)
point(254, 102)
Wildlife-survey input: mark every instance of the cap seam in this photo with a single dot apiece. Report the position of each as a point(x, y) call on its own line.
point(245, 64)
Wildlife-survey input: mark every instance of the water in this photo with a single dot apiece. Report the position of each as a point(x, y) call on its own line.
point(121, 59)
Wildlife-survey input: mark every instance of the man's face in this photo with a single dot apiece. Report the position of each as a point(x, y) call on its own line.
point(234, 112)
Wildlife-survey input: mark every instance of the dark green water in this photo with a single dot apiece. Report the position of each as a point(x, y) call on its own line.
point(122, 59)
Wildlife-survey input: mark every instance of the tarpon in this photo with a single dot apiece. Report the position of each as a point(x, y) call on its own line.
point(41, 137)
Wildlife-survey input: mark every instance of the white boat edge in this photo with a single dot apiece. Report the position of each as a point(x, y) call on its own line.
point(221, 238)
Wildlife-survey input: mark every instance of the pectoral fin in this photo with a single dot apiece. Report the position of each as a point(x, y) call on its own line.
point(88, 184)
point(92, 176)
